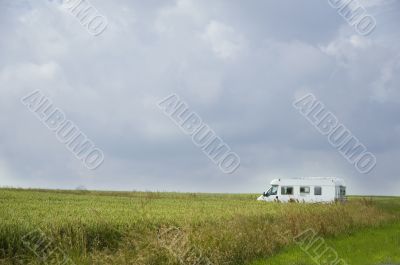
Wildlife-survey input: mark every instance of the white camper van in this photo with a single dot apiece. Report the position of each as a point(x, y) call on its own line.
point(305, 190)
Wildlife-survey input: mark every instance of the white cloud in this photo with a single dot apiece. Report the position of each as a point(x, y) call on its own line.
point(224, 41)
point(375, 3)
point(237, 67)
point(385, 88)
point(344, 47)
point(184, 13)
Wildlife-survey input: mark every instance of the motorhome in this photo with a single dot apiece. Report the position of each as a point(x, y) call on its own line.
point(305, 190)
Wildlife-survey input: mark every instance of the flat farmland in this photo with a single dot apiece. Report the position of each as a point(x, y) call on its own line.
point(90, 227)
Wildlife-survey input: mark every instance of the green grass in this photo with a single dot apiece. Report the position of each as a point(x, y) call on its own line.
point(366, 247)
point(135, 227)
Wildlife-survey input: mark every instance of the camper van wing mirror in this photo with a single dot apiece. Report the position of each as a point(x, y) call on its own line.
point(264, 194)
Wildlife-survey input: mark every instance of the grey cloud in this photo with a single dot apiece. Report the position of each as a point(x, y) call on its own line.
point(239, 65)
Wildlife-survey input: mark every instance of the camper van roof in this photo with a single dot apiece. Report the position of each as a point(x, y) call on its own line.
point(309, 181)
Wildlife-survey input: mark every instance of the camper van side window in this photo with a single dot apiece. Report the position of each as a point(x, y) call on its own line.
point(287, 191)
point(304, 190)
point(317, 190)
point(342, 191)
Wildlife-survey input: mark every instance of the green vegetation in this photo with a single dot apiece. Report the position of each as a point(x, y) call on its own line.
point(174, 228)
point(370, 246)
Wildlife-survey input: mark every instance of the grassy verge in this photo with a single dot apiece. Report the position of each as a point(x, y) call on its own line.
point(366, 247)
point(171, 228)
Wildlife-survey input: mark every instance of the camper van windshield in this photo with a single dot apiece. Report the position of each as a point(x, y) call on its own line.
point(272, 191)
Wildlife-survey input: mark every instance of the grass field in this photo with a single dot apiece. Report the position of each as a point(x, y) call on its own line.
point(173, 228)
point(369, 246)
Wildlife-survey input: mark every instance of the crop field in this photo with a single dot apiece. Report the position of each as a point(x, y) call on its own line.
point(88, 227)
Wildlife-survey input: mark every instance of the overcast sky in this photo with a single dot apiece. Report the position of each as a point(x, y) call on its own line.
point(238, 64)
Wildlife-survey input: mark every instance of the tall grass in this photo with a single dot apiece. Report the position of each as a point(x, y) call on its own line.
point(125, 228)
